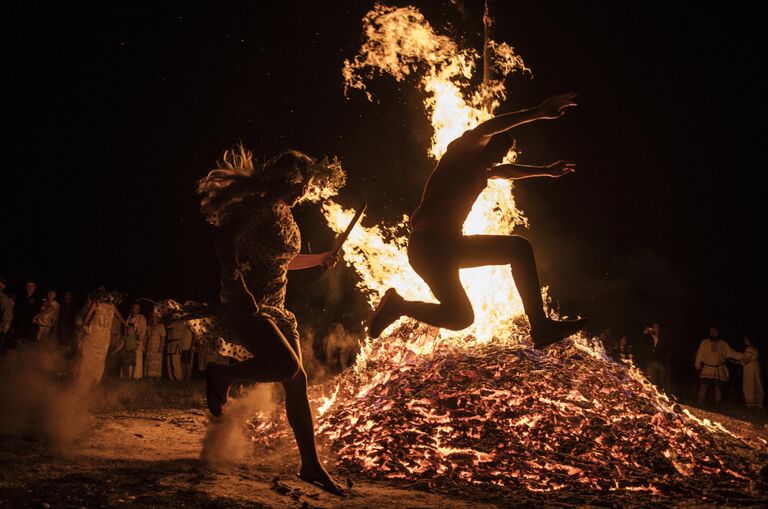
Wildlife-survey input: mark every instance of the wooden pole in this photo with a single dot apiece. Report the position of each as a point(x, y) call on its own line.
point(487, 37)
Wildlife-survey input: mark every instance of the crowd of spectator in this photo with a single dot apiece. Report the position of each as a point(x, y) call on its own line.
point(138, 344)
point(103, 341)
point(651, 352)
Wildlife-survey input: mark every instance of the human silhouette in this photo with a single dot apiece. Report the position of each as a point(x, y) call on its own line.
point(437, 249)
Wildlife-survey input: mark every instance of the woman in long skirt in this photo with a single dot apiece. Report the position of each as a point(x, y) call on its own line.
point(257, 242)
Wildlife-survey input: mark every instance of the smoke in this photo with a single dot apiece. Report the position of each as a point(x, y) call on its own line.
point(339, 348)
point(37, 399)
point(226, 441)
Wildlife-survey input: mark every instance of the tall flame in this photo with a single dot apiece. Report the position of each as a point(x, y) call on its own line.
point(400, 42)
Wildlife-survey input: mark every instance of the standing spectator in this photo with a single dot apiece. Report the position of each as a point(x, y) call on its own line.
point(96, 338)
point(139, 324)
point(752, 384)
point(711, 358)
point(153, 364)
point(46, 320)
point(179, 341)
point(27, 307)
point(127, 351)
point(6, 315)
point(80, 325)
point(655, 356)
point(609, 343)
point(187, 352)
point(624, 350)
point(65, 328)
point(115, 358)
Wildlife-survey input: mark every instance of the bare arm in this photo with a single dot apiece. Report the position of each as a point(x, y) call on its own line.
point(306, 261)
point(552, 108)
point(521, 171)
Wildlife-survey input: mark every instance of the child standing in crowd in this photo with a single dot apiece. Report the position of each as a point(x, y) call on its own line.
point(139, 324)
point(179, 340)
point(153, 364)
point(128, 348)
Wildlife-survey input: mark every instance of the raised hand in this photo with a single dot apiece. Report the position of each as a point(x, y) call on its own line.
point(560, 168)
point(555, 106)
point(329, 259)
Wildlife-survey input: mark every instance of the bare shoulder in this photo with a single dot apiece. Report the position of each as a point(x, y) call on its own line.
point(469, 141)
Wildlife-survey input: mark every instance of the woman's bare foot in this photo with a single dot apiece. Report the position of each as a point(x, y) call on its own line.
point(216, 390)
point(386, 313)
point(318, 476)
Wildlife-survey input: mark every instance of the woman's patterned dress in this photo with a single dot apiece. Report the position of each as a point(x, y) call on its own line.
point(269, 240)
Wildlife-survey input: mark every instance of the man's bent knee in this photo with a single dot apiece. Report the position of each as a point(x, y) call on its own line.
point(519, 245)
point(459, 319)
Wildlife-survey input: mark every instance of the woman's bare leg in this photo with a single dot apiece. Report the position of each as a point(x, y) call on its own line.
point(277, 360)
point(274, 359)
point(299, 415)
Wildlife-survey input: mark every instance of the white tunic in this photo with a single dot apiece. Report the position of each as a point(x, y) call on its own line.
point(711, 358)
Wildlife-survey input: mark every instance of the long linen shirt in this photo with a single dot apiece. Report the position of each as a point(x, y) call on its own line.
point(711, 359)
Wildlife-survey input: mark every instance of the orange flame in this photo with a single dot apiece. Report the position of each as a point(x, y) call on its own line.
point(400, 42)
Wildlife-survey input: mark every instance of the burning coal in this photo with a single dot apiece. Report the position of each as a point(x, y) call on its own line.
point(502, 418)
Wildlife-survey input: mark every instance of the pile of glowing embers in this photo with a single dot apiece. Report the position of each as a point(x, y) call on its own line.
point(498, 418)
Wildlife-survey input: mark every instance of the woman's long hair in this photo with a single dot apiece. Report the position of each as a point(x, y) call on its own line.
point(237, 180)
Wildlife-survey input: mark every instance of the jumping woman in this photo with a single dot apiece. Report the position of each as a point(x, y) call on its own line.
point(257, 242)
point(437, 249)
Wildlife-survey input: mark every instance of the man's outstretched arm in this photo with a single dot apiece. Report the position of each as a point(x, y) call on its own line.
point(522, 171)
point(552, 108)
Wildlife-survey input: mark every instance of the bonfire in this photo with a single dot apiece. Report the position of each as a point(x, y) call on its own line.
point(480, 409)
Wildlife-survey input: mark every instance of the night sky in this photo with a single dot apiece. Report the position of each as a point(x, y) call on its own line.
point(114, 110)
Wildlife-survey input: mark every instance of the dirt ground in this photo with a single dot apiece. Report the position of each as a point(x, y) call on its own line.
point(146, 452)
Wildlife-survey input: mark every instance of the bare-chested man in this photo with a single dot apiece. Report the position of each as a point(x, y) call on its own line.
point(437, 249)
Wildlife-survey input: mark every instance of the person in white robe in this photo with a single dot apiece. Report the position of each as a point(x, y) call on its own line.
point(711, 360)
point(94, 344)
point(139, 324)
point(752, 382)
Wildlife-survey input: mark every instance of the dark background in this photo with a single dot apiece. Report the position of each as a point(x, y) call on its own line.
point(113, 110)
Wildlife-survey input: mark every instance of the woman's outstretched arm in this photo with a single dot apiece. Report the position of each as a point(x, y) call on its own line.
point(306, 261)
point(521, 171)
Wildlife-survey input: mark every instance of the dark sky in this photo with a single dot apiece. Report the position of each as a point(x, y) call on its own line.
point(114, 109)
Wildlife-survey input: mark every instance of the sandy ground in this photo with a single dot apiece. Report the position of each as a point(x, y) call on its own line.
point(147, 454)
point(150, 457)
